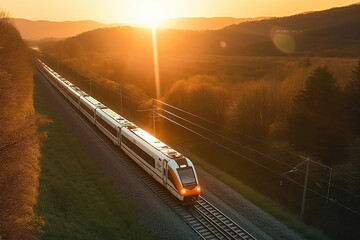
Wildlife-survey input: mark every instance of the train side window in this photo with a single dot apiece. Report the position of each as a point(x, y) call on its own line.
point(106, 125)
point(73, 96)
point(87, 109)
point(171, 179)
point(150, 160)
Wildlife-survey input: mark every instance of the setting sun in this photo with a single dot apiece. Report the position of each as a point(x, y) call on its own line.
point(150, 13)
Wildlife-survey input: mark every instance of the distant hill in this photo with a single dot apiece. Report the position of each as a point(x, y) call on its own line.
point(213, 23)
point(36, 30)
point(334, 32)
point(330, 32)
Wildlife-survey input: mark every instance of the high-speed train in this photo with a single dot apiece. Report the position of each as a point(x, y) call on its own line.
point(164, 164)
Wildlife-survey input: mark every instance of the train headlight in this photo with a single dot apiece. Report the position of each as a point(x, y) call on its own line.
point(183, 191)
point(198, 189)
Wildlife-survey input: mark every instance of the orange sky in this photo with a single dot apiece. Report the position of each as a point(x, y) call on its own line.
point(134, 11)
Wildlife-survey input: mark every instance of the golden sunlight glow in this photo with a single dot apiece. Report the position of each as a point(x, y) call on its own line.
point(150, 13)
point(156, 63)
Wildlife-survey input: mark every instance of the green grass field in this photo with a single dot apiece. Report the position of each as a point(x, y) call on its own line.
point(75, 200)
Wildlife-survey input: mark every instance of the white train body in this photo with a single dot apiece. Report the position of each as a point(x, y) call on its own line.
point(164, 164)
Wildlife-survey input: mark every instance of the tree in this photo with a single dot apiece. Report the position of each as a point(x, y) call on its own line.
point(203, 95)
point(352, 92)
point(19, 138)
point(316, 124)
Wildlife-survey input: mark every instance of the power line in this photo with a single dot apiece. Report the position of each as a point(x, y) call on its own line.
point(222, 136)
point(132, 95)
point(273, 171)
point(235, 131)
point(217, 143)
point(263, 154)
point(142, 98)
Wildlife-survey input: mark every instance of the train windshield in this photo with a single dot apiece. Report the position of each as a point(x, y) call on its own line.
point(187, 176)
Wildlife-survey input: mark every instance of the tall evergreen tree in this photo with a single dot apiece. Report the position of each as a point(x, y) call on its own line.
point(352, 91)
point(316, 124)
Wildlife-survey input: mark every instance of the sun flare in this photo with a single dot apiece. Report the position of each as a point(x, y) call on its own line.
point(151, 13)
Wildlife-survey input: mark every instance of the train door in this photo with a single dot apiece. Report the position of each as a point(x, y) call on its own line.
point(119, 136)
point(165, 172)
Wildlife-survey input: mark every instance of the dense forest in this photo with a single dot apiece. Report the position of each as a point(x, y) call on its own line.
point(271, 80)
point(19, 138)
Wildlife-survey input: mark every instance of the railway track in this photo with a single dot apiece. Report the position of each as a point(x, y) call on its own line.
point(204, 218)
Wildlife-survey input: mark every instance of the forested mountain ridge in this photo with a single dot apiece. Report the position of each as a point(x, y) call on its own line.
point(201, 23)
point(329, 33)
point(36, 30)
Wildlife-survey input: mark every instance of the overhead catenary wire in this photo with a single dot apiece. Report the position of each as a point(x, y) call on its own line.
point(132, 95)
point(261, 153)
point(253, 138)
point(235, 131)
point(141, 98)
point(220, 145)
point(224, 137)
point(293, 167)
point(227, 128)
point(273, 171)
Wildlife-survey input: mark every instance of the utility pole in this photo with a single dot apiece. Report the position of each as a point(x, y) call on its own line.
point(90, 83)
point(305, 188)
point(328, 191)
point(154, 109)
point(121, 100)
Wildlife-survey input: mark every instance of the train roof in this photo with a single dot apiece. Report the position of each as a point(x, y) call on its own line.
point(156, 143)
point(94, 101)
point(118, 118)
point(68, 83)
point(78, 90)
point(112, 114)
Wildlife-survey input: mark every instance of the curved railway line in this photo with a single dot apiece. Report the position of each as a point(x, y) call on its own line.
point(204, 218)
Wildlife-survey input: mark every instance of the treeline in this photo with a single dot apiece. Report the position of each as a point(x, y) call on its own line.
point(308, 109)
point(311, 113)
point(19, 138)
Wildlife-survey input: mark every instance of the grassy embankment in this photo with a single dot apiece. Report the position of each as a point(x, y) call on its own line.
point(75, 199)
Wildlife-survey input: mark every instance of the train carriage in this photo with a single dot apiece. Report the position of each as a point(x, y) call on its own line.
point(166, 165)
point(108, 122)
point(88, 105)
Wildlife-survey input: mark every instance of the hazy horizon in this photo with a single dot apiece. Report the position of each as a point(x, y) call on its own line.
point(137, 12)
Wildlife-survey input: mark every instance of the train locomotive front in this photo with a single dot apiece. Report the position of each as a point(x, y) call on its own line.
point(183, 180)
